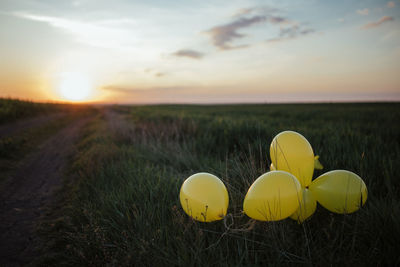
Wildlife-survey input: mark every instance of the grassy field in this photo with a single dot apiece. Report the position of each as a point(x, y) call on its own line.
point(123, 208)
point(15, 109)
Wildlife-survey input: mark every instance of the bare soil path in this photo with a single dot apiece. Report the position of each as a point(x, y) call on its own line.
point(23, 198)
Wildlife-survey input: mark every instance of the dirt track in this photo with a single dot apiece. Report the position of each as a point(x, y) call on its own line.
point(30, 189)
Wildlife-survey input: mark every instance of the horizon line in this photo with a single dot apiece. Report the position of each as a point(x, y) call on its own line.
point(110, 103)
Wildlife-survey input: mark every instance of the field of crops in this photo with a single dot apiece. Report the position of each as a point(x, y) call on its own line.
point(123, 206)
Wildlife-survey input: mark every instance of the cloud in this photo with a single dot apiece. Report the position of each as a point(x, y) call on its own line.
point(292, 32)
point(154, 72)
point(223, 35)
point(243, 11)
point(133, 90)
point(167, 94)
point(188, 53)
point(95, 33)
point(117, 89)
point(259, 10)
point(160, 74)
point(279, 20)
point(378, 23)
point(363, 12)
point(391, 4)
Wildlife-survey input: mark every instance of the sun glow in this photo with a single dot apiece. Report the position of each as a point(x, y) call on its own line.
point(75, 86)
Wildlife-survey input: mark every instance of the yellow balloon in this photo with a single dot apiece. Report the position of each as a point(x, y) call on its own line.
point(307, 207)
point(272, 167)
point(340, 191)
point(291, 152)
point(273, 196)
point(317, 165)
point(204, 197)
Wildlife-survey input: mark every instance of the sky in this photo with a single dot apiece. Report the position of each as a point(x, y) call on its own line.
point(186, 51)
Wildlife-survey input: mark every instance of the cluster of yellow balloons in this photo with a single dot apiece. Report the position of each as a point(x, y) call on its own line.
point(286, 191)
point(339, 191)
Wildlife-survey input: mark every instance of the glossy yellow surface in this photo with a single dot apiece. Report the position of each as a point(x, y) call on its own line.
point(273, 196)
point(317, 165)
point(272, 167)
point(340, 191)
point(291, 152)
point(307, 207)
point(204, 197)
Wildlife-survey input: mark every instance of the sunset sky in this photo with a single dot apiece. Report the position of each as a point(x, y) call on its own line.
point(184, 51)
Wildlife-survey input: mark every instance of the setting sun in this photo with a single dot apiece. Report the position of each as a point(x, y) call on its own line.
point(75, 86)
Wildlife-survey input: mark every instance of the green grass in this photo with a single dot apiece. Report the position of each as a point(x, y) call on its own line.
point(124, 209)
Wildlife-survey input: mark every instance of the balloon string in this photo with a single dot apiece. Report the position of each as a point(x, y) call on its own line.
point(227, 228)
